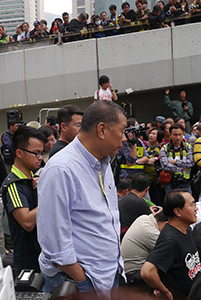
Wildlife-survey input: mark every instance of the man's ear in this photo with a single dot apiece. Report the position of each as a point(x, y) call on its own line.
point(18, 153)
point(101, 129)
point(177, 211)
point(63, 126)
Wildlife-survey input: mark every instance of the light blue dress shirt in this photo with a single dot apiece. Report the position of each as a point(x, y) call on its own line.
point(77, 219)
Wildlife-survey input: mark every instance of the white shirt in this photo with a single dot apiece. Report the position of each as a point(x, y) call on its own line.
point(103, 95)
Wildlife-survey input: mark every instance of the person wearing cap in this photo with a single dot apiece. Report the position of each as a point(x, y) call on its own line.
point(37, 31)
point(160, 120)
point(181, 107)
point(156, 17)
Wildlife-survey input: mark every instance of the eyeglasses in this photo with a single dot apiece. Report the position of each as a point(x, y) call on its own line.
point(37, 154)
point(76, 125)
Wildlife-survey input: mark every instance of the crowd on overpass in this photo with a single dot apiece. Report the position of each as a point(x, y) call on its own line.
point(128, 16)
point(59, 176)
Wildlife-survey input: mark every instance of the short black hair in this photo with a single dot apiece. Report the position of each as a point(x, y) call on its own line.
point(103, 79)
point(25, 23)
point(47, 130)
point(156, 8)
point(161, 217)
point(179, 118)
point(123, 184)
point(125, 4)
point(131, 121)
point(140, 182)
point(65, 113)
point(181, 90)
point(22, 135)
point(83, 16)
point(100, 111)
point(172, 200)
point(43, 21)
point(160, 134)
point(176, 126)
point(12, 123)
point(51, 119)
point(153, 124)
point(163, 125)
point(103, 12)
point(58, 20)
point(161, 2)
point(113, 6)
point(65, 14)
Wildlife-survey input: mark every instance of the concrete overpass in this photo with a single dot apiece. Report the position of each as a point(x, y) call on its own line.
point(36, 76)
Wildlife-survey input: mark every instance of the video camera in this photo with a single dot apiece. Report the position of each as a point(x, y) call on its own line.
point(137, 130)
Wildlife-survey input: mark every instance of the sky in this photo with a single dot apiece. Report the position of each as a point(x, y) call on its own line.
point(58, 7)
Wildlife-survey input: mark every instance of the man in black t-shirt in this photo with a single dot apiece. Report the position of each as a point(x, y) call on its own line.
point(173, 8)
point(69, 118)
point(128, 15)
point(174, 263)
point(133, 205)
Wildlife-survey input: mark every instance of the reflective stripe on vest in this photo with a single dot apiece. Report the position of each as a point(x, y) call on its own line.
point(140, 151)
point(124, 166)
point(185, 174)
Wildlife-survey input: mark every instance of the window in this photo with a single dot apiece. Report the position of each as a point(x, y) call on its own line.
point(80, 2)
point(80, 10)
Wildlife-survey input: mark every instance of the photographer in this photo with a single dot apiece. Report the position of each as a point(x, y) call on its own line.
point(37, 31)
point(128, 15)
point(177, 157)
point(133, 155)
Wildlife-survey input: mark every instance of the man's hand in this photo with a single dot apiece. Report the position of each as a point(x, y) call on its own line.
point(167, 91)
point(162, 296)
point(151, 161)
point(35, 182)
point(192, 10)
point(130, 164)
point(173, 8)
point(185, 108)
point(145, 17)
point(173, 161)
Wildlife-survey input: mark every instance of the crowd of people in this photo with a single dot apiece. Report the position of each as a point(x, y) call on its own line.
point(160, 12)
point(73, 214)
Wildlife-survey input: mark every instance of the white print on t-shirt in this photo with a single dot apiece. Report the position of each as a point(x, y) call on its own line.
point(193, 264)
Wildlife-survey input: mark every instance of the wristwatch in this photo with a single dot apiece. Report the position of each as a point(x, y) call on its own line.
point(136, 162)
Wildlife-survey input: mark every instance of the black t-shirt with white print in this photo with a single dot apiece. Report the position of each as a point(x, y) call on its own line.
point(177, 259)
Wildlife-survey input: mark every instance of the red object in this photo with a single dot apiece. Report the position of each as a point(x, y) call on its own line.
point(54, 28)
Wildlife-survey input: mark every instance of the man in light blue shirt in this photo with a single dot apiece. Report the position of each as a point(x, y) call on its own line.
point(78, 218)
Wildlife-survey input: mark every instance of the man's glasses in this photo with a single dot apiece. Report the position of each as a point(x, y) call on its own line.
point(77, 124)
point(37, 154)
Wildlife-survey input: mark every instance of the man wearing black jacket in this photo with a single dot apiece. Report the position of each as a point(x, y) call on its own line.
point(156, 17)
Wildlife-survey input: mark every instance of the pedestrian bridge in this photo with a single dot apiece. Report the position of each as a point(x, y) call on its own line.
point(40, 74)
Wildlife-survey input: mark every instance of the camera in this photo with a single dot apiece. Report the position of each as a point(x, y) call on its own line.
point(137, 129)
point(178, 179)
point(119, 15)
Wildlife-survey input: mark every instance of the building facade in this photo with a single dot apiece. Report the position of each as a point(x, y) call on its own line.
point(15, 12)
point(80, 6)
point(103, 5)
